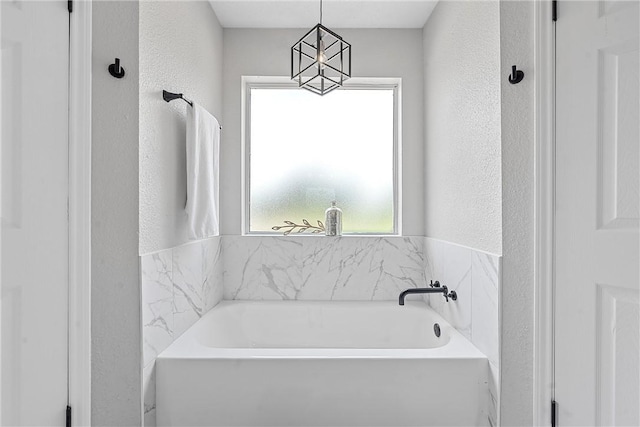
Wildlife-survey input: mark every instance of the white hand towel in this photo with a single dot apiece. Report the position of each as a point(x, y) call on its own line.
point(203, 166)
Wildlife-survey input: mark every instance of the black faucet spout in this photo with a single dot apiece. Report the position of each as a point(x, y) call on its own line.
point(433, 289)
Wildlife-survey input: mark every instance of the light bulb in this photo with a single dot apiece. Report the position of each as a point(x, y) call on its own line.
point(322, 57)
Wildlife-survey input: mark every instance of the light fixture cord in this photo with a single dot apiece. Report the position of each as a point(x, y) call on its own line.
point(320, 12)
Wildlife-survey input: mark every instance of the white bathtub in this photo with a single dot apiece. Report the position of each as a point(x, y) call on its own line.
point(293, 363)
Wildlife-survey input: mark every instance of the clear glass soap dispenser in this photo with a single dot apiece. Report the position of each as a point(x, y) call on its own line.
point(333, 220)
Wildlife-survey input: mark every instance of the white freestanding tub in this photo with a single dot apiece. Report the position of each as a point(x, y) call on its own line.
point(295, 363)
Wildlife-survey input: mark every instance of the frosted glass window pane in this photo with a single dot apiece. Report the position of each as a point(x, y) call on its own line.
point(307, 150)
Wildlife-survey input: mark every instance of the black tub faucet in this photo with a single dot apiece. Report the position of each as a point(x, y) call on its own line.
point(434, 288)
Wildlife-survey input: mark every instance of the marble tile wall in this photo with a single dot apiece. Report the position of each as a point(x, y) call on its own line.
point(320, 267)
point(475, 276)
point(179, 285)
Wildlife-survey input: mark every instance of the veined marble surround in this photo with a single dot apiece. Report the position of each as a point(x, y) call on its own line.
point(181, 284)
point(475, 276)
point(321, 268)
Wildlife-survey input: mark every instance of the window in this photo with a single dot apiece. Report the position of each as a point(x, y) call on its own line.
point(303, 151)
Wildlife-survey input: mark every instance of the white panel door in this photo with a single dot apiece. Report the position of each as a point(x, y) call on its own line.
point(597, 242)
point(34, 231)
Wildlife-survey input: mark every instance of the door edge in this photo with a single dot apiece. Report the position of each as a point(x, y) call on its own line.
point(544, 76)
point(80, 40)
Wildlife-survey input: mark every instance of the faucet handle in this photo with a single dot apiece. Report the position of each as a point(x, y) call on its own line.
point(445, 292)
point(453, 294)
point(435, 284)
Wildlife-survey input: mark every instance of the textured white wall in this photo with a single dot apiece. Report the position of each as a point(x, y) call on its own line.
point(462, 124)
point(517, 293)
point(376, 53)
point(116, 347)
point(180, 51)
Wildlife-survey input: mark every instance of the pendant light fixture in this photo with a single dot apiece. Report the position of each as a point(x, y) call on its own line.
point(320, 60)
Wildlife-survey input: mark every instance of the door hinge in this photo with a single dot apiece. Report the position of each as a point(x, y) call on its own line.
point(70, 5)
point(554, 409)
point(68, 423)
point(554, 10)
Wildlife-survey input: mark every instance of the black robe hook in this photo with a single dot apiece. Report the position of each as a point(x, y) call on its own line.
point(116, 70)
point(516, 75)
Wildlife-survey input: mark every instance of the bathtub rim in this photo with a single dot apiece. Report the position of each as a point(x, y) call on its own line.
point(188, 347)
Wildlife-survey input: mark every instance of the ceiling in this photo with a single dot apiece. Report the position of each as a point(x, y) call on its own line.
point(336, 13)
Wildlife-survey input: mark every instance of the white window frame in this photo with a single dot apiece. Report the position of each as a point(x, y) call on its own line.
point(276, 82)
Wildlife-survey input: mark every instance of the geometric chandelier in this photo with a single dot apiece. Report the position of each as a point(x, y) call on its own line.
point(320, 60)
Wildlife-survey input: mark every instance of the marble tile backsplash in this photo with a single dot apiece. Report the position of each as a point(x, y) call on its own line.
point(179, 285)
point(320, 267)
point(475, 276)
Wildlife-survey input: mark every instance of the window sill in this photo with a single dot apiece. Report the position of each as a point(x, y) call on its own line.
point(319, 235)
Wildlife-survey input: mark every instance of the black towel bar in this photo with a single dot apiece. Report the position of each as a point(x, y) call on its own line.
point(170, 96)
